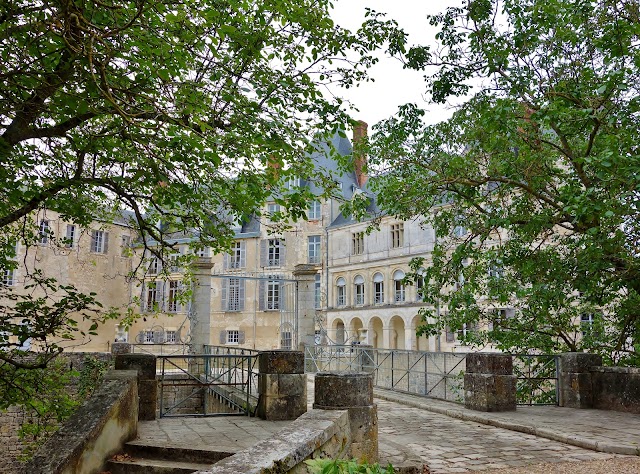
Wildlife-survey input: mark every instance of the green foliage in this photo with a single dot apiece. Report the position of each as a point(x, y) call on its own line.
point(91, 375)
point(533, 185)
point(343, 466)
point(187, 114)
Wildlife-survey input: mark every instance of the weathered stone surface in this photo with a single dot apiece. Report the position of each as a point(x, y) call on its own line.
point(489, 363)
point(97, 430)
point(578, 362)
point(616, 388)
point(145, 364)
point(487, 392)
point(336, 391)
point(276, 385)
point(339, 390)
point(317, 433)
point(282, 396)
point(575, 389)
point(120, 348)
point(281, 362)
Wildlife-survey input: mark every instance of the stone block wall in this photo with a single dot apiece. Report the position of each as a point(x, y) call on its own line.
point(12, 419)
point(489, 383)
point(181, 390)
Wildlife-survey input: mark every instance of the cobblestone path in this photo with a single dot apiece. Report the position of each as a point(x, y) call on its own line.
point(415, 437)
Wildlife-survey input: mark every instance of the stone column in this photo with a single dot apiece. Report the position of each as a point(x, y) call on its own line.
point(387, 334)
point(282, 385)
point(306, 278)
point(352, 392)
point(574, 379)
point(145, 365)
point(489, 383)
point(201, 307)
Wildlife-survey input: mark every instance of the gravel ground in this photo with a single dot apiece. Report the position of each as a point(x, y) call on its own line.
point(617, 465)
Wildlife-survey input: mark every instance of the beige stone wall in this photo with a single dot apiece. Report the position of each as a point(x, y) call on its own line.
point(103, 273)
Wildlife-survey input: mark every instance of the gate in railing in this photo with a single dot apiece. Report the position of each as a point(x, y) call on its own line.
point(537, 379)
point(211, 384)
point(435, 374)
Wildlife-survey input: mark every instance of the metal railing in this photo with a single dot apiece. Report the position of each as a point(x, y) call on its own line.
point(537, 379)
point(435, 374)
point(208, 385)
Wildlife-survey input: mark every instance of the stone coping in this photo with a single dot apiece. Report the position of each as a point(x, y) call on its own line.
point(502, 420)
point(289, 447)
point(617, 370)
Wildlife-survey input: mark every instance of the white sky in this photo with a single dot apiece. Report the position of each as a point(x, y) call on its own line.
point(393, 85)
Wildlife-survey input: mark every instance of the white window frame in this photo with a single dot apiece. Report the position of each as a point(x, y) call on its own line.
point(341, 292)
point(378, 289)
point(314, 248)
point(151, 296)
point(44, 231)
point(98, 241)
point(203, 252)
point(71, 236)
point(286, 340)
point(358, 290)
point(272, 208)
point(233, 337)
point(233, 294)
point(171, 336)
point(317, 292)
point(274, 252)
point(273, 295)
point(315, 210)
point(398, 287)
point(172, 296)
point(8, 277)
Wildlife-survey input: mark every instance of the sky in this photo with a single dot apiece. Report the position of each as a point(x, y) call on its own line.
point(393, 85)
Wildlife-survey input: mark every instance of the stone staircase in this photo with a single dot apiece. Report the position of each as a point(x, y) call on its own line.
point(139, 458)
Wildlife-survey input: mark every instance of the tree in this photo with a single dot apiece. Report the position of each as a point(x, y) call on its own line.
point(171, 110)
point(533, 184)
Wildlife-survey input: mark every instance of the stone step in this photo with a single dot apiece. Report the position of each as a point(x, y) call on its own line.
point(121, 464)
point(174, 453)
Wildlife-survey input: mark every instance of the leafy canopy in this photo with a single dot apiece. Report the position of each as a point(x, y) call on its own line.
point(533, 185)
point(169, 109)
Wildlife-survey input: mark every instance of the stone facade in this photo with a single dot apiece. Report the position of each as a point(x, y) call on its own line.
point(282, 385)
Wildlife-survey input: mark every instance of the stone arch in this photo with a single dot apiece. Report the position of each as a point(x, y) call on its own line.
point(354, 326)
point(375, 332)
point(397, 333)
point(337, 328)
point(421, 343)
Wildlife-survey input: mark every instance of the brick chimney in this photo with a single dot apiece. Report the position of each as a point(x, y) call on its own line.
point(359, 158)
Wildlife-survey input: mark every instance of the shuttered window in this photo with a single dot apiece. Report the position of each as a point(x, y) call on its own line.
point(233, 294)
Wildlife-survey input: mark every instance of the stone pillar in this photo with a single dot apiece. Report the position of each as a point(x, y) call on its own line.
point(367, 358)
point(352, 392)
point(282, 385)
point(118, 348)
point(201, 306)
point(574, 379)
point(145, 365)
point(305, 276)
point(489, 383)
point(387, 334)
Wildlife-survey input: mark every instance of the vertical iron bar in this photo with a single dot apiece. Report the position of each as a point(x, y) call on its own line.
point(162, 387)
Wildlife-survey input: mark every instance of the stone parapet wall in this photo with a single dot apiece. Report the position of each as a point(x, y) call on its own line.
point(94, 432)
point(616, 388)
point(316, 434)
point(13, 418)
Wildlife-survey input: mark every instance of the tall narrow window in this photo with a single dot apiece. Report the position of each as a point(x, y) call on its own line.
point(273, 294)
point(341, 287)
point(460, 230)
point(586, 323)
point(315, 210)
point(99, 241)
point(273, 253)
point(125, 246)
point(397, 235)
point(357, 243)
point(172, 303)
point(154, 266)
point(314, 249)
point(151, 296)
point(232, 294)
point(399, 292)
point(378, 288)
point(71, 236)
point(420, 287)
point(272, 209)
point(44, 232)
point(286, 340)
point(235, 256)
point(317, 292)
point(358, 284)
point(8, 277)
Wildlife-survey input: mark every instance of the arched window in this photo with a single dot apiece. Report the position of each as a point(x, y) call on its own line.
point(358, 283)
point(398, 275)
point(341, 287)
point(378, 288)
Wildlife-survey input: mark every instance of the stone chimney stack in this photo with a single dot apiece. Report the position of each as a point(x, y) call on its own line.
point(359, 158)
